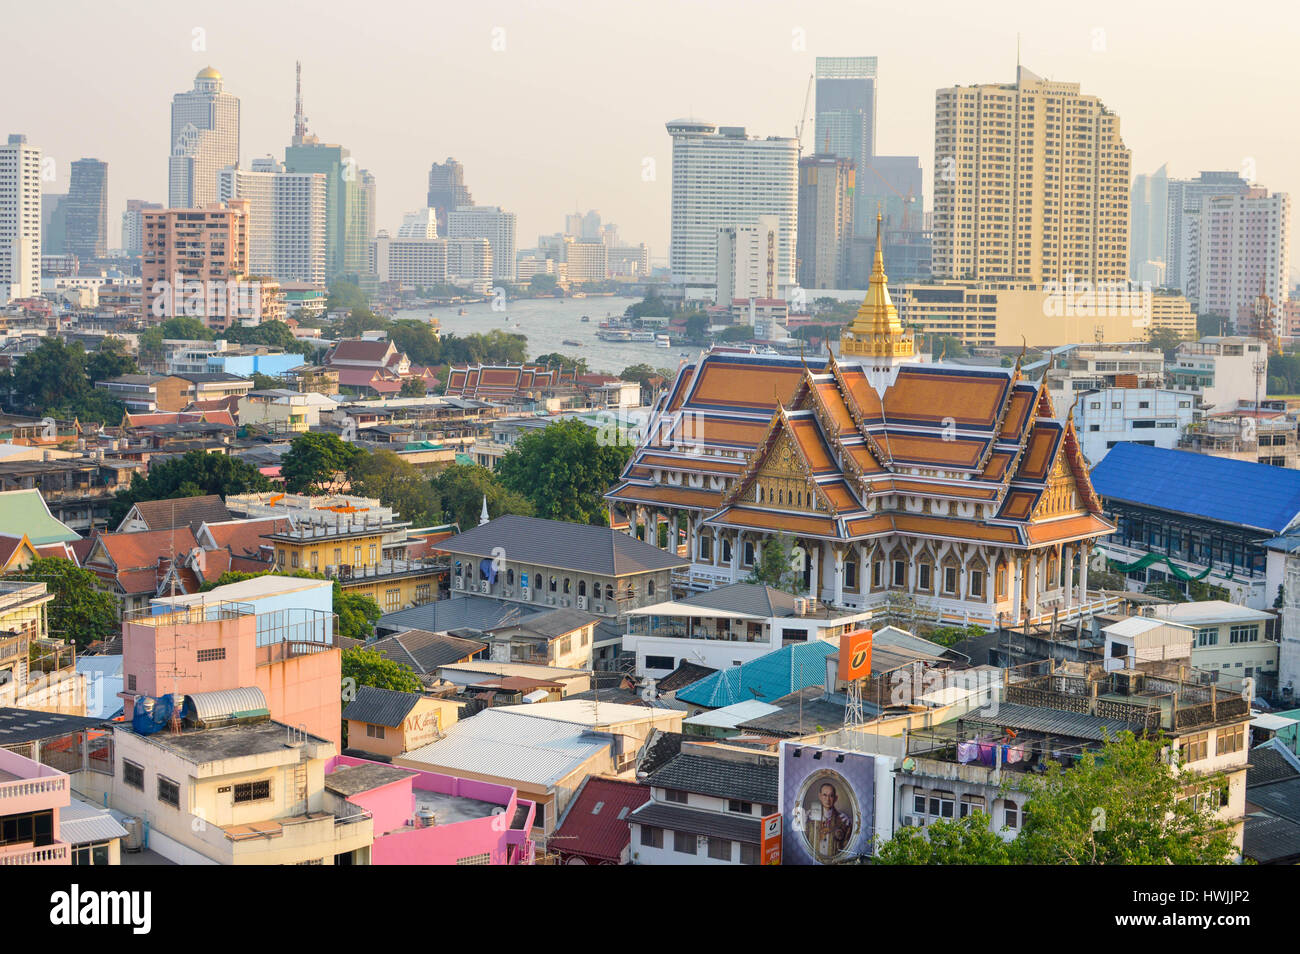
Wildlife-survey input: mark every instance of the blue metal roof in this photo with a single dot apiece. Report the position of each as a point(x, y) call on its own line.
point(766, 678)
point(1236, 492)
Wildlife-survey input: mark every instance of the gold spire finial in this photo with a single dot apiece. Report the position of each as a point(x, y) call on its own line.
point(876, 331)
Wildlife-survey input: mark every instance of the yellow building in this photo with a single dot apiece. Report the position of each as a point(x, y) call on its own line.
point(354, 555)
point(1173, 313)
point(388, 723)
point(1031, 184)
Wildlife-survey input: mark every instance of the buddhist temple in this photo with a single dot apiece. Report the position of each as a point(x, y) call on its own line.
point(955, 487)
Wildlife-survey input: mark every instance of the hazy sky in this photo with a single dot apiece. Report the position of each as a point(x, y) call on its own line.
point(564, 116)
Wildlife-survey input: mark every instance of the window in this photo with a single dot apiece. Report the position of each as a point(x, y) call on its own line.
point(133, 774)
point(565, 645)
point(130, 682)
point(1207, 637)
point(1232, 739)
point(1194, 749)
point(424, 592)
point(900, 573)
point(374, 731)
point(1002, 581)
point(550, 584)
point(877, 573)
point(971, 803)
point(34, 827)
point(1244, 634)
point(950, 579)
point(675, 795)
point(684, 843)
point(748, 552)
point(652, 837)
point(169, 792)
point(338, 555)
point(748, 854)
point(650, 587)
point(941, 805)
point(1013, 815)
point(851, 574)
point(211, 655)
point(293, 558)
point(742, 808)
point(568, 586)
point(252, 791)
point(660, 662)
point(393, 600)
point(356, 556)
point(372, 553)
point(720, 849)
point(977, 584)
point(923, 576)
point(90, 854)
point(918, 803)
point(706, 548)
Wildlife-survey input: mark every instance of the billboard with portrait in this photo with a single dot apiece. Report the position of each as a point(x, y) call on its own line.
point(828, 805)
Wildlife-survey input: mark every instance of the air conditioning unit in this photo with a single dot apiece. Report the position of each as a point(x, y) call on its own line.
point(550, 600)
point(910, 821)
point(460, 582)
point(582, 602)
point(600, 607)
point(484, 586)
point(524, 592)
point(564, 601)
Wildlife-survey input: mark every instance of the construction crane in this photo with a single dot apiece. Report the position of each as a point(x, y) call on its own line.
point(803, 116)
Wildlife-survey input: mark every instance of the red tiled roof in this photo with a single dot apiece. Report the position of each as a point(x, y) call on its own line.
point(245, 537)
point(601, 834)
point(356, 349)
point(137, 551)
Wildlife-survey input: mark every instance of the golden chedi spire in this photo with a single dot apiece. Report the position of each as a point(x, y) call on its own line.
point(876, 332)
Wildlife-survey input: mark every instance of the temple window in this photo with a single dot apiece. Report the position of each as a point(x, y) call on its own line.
point(1002, 581)
point(877, 573)
point(748, 558)
point(923, 576)
point(950, 579)
point(977, 583)
point(900, 573)
point(851, 574)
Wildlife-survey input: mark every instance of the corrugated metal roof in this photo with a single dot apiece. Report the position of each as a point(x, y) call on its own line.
point(595, 823)
point(213, 706)
point(380, 706)
point(728, 717)
point(504, 745)
point(81, 823)
point(769, 677)
point(1200, 485)
point(1052, 721)
point(696, 822)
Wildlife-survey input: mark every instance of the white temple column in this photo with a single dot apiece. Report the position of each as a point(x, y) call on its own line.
point(838, 553)
point(991, 583)
point(1035, 582)
point(814, 555)
point(1068, 552)
point(735, 557)
point(1085, 553)
point(1016, 590)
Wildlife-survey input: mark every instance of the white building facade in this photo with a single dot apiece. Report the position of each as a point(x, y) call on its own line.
point(286, 221)
point(204, 140)
point(1152, 416)
point(20, 219)
point(491, 223)
point(723, 178)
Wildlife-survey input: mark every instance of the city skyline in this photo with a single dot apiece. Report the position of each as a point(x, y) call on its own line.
point(529, 159)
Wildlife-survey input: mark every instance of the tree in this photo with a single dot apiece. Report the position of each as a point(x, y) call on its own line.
point(563, 362)
point(965, 841)
point(1124, 806)
point(1166, 340)
point(417, 340)
point(110, 361)
point(948, 346)
point(640, 373)
point(272, 334)
point(697, 326)
point(413, 387)
point(194, 474)
point(369, 667)
point(54, 380)
point(737, 333)
point(463, 487)
point(264, 382)
point(79, 612)
point(315, 463)
point(396, 484)
point(565, 469)
point(775, 565)
point(345, 295)
point(542, 283)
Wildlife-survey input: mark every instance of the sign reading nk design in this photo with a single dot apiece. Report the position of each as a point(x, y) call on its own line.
point(827, 804)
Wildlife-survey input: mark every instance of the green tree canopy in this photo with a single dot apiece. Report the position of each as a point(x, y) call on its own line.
point(272, 334)
point(357, 612)
point(57, 380)
point(413, 387)
point(565, 469)
point(344, 294)
point(193, 474)
point(369, 667)
point(966, 841)
point(542, 283)
point(463, 487)
point(79, 612)
point(396, 484)
point(315, 463)
point(774, 566)
point(564, 362)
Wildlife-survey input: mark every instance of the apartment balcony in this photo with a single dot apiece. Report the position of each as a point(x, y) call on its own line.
point(27, 786)
point(381, 570)
point(28, 854)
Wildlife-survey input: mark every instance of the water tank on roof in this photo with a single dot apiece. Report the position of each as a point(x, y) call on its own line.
point(425, 818)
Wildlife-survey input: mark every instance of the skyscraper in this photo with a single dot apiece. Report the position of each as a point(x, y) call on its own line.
point(1245, 250)
point(826, 185)
point(133, 225)
point(349, 196)
point(20, 219)
point(189, 255)
point(846, 120)
point(87, 236)
point(205, 140)
point(492, 223)
point(1183, 234)
point(1031, 184)
point(1149, 228)
point(447, 190)
point(723, 178)
point(54, 223)
point(286, 220)
point(891, 186)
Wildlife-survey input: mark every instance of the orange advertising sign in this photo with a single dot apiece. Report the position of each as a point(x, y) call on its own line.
point(855, 655)
point(770, 844)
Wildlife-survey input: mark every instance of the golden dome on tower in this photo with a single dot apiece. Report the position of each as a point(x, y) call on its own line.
point(876, 331)
point(209, 73)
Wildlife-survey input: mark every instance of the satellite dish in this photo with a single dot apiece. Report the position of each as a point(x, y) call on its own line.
point(909, 764)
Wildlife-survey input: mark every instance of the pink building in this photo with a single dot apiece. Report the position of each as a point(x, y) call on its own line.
point(215, 645)
point(425, 818)
point(31, 797)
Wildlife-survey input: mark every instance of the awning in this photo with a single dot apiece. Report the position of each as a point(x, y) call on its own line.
point(671, 608)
